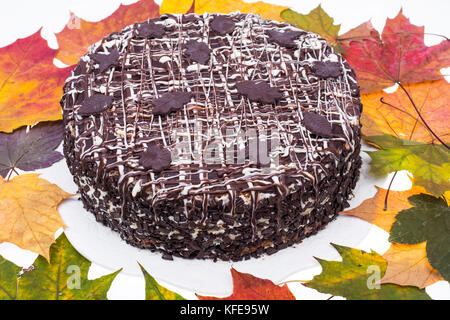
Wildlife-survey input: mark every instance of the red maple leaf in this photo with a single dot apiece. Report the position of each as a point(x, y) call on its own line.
point(399, 55)
point(30, 84)
point(248, 287)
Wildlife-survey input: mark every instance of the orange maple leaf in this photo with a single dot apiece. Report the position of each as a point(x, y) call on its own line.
point(248, 287)
point(29, 205)
point(398, 117)
point(30, 84)
point(408, 266)
point(372, 210)
point(74, 42)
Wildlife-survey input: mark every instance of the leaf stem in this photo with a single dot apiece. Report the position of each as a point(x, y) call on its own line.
point(389, 189)
point(8, 176)
point(421, 118)
point(291, 281)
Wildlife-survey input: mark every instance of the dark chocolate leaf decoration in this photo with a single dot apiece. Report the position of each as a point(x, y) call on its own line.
point(80, 68)
point(170, 102)
point(285, 39)
point(150, 29)
point(156, 158)
point(197, 51)
point(105, 60)
point(317, 124)
point(326, 69)
point(31, 150)
point(95, 104)
point(222, 25)
point(259, 91)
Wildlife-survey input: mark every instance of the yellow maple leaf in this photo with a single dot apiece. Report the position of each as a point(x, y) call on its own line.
point(408, 266)
point(28, 212)
point(175, 6)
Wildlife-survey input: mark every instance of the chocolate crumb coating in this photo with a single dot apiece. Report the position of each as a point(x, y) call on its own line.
point(150, 114)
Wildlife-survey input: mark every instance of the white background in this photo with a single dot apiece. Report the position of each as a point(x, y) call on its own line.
point(21, 18)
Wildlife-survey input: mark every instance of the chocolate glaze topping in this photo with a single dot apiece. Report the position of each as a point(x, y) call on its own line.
point(175, 79)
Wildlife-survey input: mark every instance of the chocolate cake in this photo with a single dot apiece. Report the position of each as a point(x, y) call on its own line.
point(213, 136)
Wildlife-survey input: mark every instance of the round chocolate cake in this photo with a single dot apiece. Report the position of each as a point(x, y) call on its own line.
point(213, 136)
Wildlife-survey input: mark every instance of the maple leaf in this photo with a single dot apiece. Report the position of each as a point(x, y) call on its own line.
point(429, 163)
point(351, 277)
point(373, 210)
point(175, 6)
point(396, 115)
point(30, 150)
point(428, 220)
point(361, 32)
point(408, 266)
point(29, 205)
point(65, 277)
point(399, 54)
point(154, 291)
point(9, 274)
point(266, 10)
point(249, 287)
point(30, 84)
point(74, 42)
point(317, 21)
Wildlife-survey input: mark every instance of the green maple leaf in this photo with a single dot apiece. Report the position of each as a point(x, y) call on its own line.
point(9, 274)
point(353, 278)
point(429, 163)
point(154, 291)
point(317, 21)
point(428, 220)
point(64, 278)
